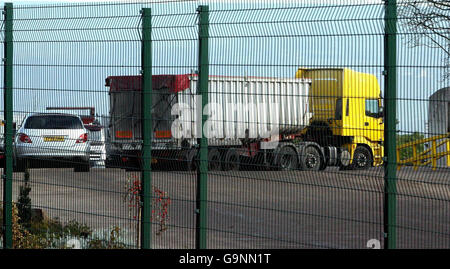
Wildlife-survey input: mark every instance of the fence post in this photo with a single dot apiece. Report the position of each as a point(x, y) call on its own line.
point(202, 175)
point(146, 175)
point(8, 117)
point(390, 177)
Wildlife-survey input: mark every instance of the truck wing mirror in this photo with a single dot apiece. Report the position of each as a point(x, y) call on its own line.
point(381, 113)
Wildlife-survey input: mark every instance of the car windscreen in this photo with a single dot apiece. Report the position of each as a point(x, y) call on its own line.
point(53, 122)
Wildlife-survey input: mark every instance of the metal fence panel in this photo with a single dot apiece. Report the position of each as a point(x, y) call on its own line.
point(271, 124)
point(423, 186)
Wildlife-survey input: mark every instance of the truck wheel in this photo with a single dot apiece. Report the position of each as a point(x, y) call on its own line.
point(323, 165)
point(213, 159)
point(288, 159)
point(191, 162)
point(311, 159)
point(231, 160)
point(362, 158)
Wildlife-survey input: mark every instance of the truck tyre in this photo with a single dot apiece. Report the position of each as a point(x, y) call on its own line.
point(311, 159)
point(213, 159)
point(288, 159)
point(191, 162)
point(362, 158)
point(231, 160)
point(323, 165)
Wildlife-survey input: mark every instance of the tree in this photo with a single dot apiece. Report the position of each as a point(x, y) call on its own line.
point(427, 23)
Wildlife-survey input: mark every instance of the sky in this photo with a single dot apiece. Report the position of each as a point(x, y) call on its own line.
point(86, 43)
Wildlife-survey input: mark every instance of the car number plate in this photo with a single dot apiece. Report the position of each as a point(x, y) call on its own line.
point(53, 138)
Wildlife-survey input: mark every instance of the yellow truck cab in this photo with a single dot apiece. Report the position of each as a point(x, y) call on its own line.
point(346, 109)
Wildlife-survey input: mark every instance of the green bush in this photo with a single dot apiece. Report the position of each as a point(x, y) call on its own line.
point(113, 242)
point(56, 230)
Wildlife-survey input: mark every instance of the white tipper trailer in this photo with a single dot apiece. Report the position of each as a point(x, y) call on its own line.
point(254, 120)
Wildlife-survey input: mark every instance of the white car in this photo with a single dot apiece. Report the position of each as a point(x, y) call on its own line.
point(56, 138)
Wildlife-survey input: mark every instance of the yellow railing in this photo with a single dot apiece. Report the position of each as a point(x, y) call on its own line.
point(428, 156)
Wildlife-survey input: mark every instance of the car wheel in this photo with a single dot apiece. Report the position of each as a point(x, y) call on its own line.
point(82, 168)
point(20, 165)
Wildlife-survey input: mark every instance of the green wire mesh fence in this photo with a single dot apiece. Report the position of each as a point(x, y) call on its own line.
point(274, 124)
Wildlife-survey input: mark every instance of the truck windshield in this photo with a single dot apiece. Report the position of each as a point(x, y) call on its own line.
point(53, 122)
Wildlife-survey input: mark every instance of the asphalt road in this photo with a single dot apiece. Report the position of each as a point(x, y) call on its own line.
point(258, 209)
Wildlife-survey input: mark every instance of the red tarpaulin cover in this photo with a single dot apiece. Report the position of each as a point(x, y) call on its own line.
point(175, 83)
